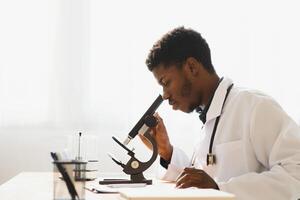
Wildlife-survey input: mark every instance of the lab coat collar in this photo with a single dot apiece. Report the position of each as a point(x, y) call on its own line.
point(203, 111)
point(215, 107)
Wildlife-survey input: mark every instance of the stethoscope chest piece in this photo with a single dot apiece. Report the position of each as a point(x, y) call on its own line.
point(210, 159)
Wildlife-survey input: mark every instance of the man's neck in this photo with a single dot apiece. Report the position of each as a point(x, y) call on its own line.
point(213, 85)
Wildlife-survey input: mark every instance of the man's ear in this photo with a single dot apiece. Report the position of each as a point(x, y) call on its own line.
point(193, 66)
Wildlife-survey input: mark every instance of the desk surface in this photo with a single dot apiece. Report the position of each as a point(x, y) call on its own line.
point(39, 186)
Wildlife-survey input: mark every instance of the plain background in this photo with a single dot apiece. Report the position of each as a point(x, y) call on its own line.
point(79, 65)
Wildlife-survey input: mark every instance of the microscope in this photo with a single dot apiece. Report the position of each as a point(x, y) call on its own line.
point(135, 167)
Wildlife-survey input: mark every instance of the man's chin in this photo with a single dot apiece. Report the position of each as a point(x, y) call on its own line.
point(182, 109)
point(190, 109)
point(175, 107)
point(185, 110)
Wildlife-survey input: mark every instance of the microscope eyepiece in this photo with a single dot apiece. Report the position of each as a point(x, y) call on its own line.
point(147, 120)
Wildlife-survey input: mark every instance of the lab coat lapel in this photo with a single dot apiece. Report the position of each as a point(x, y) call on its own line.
point(215, 108)
point(213, 112)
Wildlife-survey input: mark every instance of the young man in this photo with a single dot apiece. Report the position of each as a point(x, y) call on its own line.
point(251, 147)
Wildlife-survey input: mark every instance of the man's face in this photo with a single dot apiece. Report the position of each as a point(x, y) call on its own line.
point(177, 87)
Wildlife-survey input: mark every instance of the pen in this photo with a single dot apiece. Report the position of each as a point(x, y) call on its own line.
point(193, 159)
point(71, 188)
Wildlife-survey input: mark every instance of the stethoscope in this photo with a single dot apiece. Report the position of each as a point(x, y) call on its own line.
point(211, 158)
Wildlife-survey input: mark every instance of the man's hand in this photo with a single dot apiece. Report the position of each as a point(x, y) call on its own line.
point(161, 137)
point(191, 177)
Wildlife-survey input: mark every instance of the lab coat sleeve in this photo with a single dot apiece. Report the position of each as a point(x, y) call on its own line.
point(276, 142)
point(178, 162)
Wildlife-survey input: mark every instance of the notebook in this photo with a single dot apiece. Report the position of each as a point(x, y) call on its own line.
point(155, 192)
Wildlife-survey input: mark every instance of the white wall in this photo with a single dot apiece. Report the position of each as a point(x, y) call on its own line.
point(72, 65)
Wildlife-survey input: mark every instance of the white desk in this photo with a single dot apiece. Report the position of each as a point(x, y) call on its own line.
point(39, 186)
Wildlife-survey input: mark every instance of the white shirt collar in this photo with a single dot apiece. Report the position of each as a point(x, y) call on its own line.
point(215, 107)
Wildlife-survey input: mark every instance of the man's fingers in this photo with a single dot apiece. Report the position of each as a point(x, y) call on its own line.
point(184, 179)
point(190, 177)
point(180, 176)
point(185, 172)
point(184, 185)
point(181, 179)
point(156, 114)
point(195, 178)
point(145, 141)
point(158, 118)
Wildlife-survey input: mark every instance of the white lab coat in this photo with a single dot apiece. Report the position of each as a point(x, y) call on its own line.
point(257, 147)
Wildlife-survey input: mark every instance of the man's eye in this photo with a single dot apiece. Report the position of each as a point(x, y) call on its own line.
point(165, 83)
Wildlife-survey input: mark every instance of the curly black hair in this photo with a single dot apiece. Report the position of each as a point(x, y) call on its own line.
point(178, 45)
